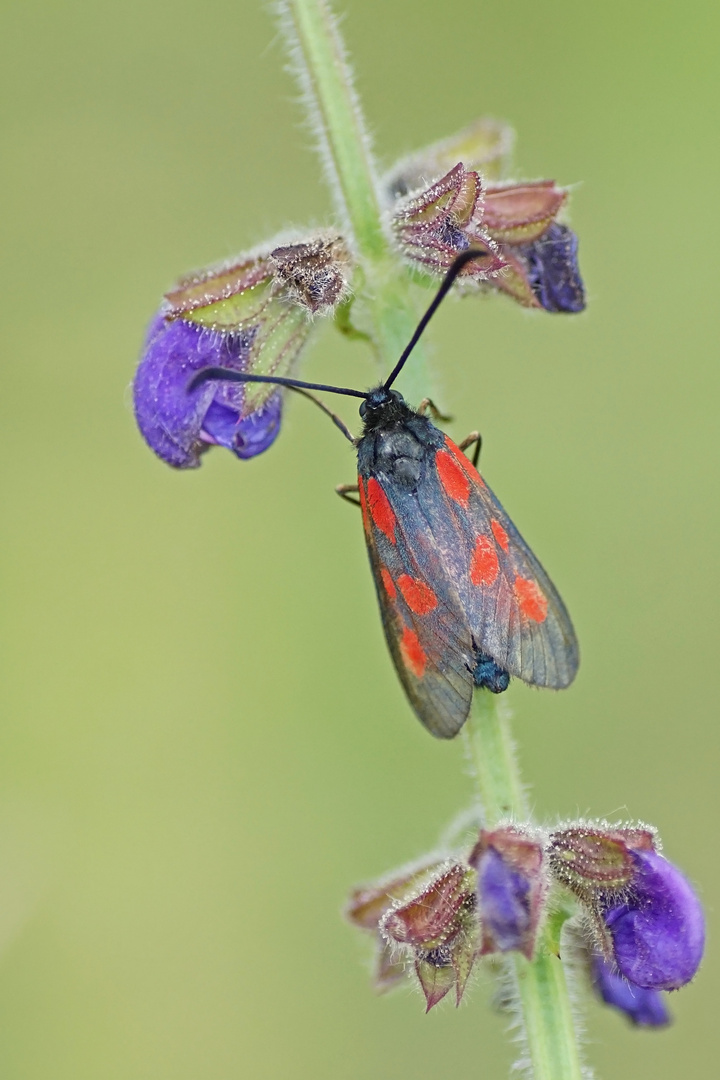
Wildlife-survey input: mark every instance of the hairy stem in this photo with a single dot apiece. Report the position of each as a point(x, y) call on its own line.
point(338, 123)
point(548, 1028)
point(383, 310)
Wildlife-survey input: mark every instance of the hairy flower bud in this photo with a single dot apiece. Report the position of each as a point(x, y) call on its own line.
point(511, 888)
point(433, 225)
point(253, 315)
point(424, 919)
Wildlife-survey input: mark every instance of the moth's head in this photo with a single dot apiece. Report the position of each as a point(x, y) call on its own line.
point(379, 402)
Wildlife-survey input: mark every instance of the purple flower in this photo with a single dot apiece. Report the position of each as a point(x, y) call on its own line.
point(511, 887)
point(179, 425)
point(552, 270)
point(657, 928)
point(252, 314)
point(643, 1007)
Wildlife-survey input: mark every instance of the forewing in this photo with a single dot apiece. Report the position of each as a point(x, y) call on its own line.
point(430, 641)
point(513, 609)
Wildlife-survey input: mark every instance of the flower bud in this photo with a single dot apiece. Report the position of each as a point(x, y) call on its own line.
point(367, 907)
point(425, 919)
point(432, 226)
point(253, 315)
point(485, 147)
point(511, 889)
point(644, 1008)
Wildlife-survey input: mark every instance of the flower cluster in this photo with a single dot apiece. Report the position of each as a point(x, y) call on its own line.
point(640, 924)
point(528, 253)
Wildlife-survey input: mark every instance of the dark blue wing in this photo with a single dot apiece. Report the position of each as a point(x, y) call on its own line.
point(514, 611)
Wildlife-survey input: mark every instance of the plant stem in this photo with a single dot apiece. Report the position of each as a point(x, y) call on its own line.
point(387, 317)
point(492, 753)
point(383, 307)
point(327, 81)
point(548, 1026)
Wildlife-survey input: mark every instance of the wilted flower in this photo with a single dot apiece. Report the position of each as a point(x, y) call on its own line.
point(643, 1007)
point(511, 887)
point(253, 315)
point(646, 915)
point(424, 920)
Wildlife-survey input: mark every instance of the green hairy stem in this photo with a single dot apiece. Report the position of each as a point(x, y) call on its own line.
point(547, 1029)
point(383, 308)
point(384, 312)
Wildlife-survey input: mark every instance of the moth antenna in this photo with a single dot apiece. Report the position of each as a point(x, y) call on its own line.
point(211, 374)
point(228, 375)
point(447, 282)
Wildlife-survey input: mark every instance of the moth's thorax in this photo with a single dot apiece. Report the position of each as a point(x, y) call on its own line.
point(396, 443)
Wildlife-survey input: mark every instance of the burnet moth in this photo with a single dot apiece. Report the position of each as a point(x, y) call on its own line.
point(463, 600)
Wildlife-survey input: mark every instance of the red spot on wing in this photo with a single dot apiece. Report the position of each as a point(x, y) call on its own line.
point(413, 652)
point(500, 535)
point(452, 477)
point(380, 509)
point(484, 565)
point(388, 583)
point(531, 600)
point(418, 596)
point(464, 461)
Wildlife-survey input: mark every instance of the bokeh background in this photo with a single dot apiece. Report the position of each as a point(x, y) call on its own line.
point(202, 743)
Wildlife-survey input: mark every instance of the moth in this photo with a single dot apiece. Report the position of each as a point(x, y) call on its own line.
point(464, 602)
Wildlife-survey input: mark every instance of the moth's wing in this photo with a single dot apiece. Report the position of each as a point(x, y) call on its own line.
point(515, 612)
point(430, 641)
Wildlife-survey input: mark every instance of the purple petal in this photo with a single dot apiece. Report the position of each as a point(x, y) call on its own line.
point(171, 419)
point(246, 437)
point(552, 270)
point(504, 902)
point(658, 933)
point(643, 1007)
point(256, 432)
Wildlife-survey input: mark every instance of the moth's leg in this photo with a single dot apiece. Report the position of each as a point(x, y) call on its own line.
point(428, 405)
point(346, 490)
point(473, 437)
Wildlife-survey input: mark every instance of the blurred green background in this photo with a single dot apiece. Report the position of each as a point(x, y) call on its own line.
point(203, 744)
